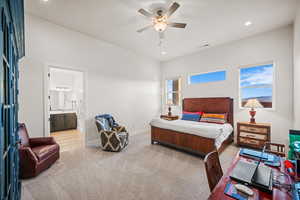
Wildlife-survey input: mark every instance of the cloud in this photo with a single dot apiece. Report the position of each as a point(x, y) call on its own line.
point(261, 76)
point(258, 86)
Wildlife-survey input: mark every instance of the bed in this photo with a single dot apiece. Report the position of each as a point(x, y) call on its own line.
point(196, 137)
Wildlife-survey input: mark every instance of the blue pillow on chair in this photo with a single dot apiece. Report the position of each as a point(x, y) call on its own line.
point(191, 117)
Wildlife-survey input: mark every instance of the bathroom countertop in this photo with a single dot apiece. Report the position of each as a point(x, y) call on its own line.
point(53, 112)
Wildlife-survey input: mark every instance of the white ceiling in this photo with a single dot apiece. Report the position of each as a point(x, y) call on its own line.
point(214, 21)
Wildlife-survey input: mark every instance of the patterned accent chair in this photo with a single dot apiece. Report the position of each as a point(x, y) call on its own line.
point(113, 136)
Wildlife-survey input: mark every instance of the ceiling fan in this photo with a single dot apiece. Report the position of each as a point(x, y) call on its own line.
point(160, 20)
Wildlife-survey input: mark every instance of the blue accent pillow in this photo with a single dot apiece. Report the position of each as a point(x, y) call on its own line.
point(191, 117)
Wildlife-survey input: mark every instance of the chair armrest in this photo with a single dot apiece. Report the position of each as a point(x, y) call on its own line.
point(41, 141)
point(109, 132)
point(27, 157)
point(119, 129)
point(275, 148)
point(28, 162)
point(270, 144)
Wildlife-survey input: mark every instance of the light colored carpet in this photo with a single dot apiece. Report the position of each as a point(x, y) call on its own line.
point(140, 172)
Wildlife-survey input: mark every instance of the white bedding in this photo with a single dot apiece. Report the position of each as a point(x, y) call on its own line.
point(219, 132)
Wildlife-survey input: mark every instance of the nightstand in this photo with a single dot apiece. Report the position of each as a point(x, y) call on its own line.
point(170, 118)
point(253, 135)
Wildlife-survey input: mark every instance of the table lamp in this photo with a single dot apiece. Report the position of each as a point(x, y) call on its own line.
point(169, 103)
point(253, 103)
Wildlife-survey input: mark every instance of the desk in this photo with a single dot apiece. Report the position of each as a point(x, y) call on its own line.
point(278, 194)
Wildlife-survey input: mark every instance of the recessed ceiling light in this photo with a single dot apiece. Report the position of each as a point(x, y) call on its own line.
point(248, 23)
point(45, 0)
point(204, 44)
point(163, 53)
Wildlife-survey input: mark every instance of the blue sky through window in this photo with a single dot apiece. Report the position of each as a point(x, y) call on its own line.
point(208, 77)
point(172, 91)
point(170, 85)
point(257, 82)
point(169, 90)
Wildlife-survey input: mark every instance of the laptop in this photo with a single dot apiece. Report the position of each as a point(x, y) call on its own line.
point(253, 174)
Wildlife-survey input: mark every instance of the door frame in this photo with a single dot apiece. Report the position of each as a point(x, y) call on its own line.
point(46, 92)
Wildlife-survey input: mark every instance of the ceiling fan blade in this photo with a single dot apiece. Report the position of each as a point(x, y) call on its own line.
point(172, 9)
point(145, 13)
point(143, 29)
point(161, 35)
point(177, 25)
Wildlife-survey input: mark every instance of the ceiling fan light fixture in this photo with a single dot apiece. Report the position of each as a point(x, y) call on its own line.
point(248, 23)
point(160, 23)
point(160, 26)
point(160, 19)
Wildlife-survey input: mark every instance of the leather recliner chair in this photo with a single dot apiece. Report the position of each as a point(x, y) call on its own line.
point(36, 154)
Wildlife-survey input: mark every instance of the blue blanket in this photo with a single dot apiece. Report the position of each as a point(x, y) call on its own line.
point(108, 120)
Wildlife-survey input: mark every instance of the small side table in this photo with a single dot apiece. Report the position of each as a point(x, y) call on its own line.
point(253, 135)
point(170, 118)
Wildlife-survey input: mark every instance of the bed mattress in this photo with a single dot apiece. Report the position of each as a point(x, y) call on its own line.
point(219, 132)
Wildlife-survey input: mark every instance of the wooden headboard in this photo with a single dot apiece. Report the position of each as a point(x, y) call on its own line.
point(210, 105)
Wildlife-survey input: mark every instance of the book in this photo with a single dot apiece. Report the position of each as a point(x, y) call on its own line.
point(232, 192)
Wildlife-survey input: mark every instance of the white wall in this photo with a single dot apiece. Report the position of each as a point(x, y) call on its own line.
point(73, 82)
point(117, 80)
point(62, 78)
point(297, 71)
point(274, 46)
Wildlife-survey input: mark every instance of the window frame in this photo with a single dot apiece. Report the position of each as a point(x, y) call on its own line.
point(273, 84)
point(179, 78)
point(200, 73)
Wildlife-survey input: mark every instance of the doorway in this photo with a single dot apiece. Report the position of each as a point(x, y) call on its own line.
point(65, 110)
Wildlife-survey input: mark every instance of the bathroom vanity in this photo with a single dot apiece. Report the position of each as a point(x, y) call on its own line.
point(62, 120)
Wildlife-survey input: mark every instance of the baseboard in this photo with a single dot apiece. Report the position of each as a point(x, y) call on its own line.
point(95, 141)
point(141, 131)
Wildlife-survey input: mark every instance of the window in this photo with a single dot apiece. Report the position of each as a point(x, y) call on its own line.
point(173, 92)
point(256, 82)
point(207, 77)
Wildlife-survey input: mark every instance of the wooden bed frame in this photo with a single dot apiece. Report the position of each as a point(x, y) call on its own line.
point(192, 143)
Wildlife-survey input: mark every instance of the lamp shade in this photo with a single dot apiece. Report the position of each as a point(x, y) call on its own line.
point(253, 103)
point(169, 102)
